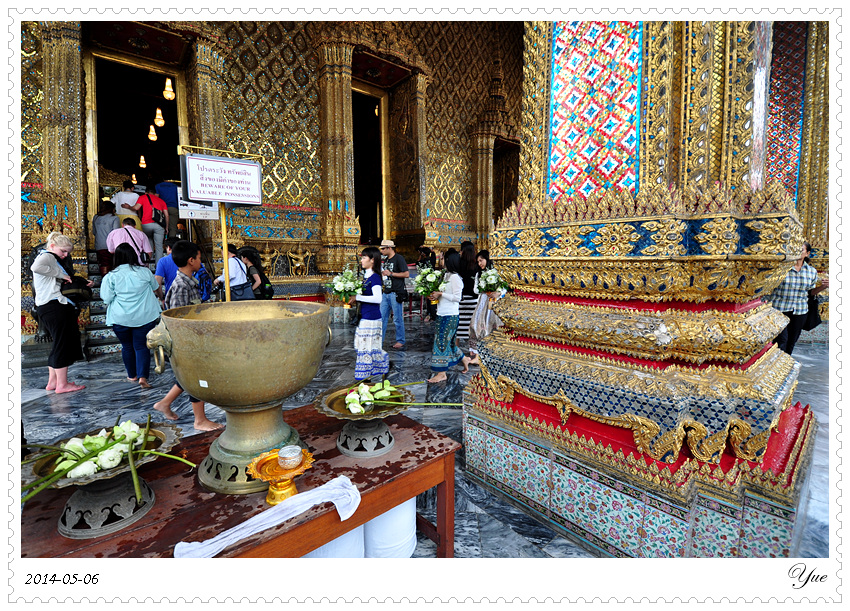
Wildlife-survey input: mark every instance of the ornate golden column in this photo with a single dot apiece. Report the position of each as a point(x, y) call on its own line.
point(534, 132)
point(723, 111)
point(63, 131)
point(812, 196)
point(340, 227)
point(482, 184)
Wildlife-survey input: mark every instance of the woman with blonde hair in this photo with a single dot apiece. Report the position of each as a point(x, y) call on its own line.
point(56, 311)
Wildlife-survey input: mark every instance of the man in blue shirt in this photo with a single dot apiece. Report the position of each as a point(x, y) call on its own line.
point(166, 270)
point(168, 192)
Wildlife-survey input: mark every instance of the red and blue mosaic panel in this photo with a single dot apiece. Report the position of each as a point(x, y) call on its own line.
point(785, 103)
point(595, 93)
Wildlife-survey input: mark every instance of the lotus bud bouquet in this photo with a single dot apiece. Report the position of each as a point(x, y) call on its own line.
point(490, 281)
point(346, 285)
point(428, 281)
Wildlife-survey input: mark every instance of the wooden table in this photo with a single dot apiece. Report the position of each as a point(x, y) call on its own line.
point(421, 459)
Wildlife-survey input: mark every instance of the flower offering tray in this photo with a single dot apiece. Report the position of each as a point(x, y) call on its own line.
point(105, 502)
point(365, 435)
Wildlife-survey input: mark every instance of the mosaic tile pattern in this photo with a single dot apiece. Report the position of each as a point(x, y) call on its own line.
point(665, 529)
point(785, 102)
point(766, 529)
point(596, 69)
point(716, 529)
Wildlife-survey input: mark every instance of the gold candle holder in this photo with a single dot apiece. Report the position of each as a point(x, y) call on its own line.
point(267, 468)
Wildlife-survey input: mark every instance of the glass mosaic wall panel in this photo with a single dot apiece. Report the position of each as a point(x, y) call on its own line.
point(785, 103)
point(595, 92)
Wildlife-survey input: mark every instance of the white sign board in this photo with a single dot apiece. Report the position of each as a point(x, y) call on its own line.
point(220, 179)
point(199, 212)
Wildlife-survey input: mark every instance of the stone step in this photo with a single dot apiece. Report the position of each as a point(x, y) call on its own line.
point(100, 332)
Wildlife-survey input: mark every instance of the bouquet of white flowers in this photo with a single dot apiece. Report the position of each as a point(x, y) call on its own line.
point(346, 285)
point(490, 281)
point(427, 281)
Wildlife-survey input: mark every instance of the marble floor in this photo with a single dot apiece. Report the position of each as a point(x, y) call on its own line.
point(486, 526)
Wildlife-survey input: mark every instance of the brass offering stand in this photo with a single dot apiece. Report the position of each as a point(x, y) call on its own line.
point(245, 357)
point(266, 468)
point(365, 435)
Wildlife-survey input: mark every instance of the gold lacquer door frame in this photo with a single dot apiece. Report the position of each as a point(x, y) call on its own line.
point(384, 100)
point(92, 157)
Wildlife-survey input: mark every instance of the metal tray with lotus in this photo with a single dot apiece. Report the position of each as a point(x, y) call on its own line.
point(105, 501)
point(364, 435)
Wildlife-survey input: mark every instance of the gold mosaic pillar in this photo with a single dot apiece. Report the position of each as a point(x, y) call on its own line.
point(206, 118)
point(812, 197)
point(534, 131)
point(482, 184)
point(63, 132)
point(724, 67)
point(339, 226)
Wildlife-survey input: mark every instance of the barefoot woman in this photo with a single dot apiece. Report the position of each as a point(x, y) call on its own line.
point(56, 312)
point(445, 353)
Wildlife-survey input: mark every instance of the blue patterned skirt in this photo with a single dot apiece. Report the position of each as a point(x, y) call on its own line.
point(445, 353)
point(371, 359)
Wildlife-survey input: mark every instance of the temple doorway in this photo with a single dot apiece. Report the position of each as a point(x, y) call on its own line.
point(130, 108)
point(369, 176)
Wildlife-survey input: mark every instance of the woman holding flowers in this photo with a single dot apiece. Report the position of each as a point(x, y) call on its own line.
point(484, 320)
point(445, 353)
point(372, 360)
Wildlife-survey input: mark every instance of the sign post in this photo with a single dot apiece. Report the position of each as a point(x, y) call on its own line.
point(208, 179)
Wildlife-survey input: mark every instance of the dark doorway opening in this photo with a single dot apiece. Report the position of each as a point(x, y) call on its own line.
point(505, 176)
point(368, 175)
point(127, 99)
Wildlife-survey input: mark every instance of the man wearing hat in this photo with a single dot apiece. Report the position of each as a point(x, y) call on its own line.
point(394, 271)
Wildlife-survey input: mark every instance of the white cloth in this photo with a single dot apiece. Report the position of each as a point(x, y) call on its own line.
point(126, 197)
point(340, 491)
point(449, 303)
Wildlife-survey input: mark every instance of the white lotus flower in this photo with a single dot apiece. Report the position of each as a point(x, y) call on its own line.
point(109, 458)
point(87, 468)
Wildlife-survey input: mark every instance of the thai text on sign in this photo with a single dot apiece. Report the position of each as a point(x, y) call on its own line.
point(220, 179)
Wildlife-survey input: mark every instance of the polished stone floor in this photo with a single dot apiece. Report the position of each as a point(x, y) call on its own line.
point(485, 525)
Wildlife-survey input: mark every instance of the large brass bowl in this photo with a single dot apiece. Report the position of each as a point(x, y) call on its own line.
point(244, 357)
point(246, 352)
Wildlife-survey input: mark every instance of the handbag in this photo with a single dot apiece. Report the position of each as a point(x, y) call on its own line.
point(813, 316)
point(157, 214)
point(144, 257)
point(77, 290)
point(243, 291)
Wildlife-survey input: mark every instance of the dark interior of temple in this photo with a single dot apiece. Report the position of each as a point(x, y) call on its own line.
point(127, 99)
point(367, 165)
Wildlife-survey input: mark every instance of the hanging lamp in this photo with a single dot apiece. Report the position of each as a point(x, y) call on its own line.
point(158, 120)
point(168, 93)
point(152, 134)
point(142, 162)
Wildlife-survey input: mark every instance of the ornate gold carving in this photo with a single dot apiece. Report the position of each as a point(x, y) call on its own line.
point(531, 243)
point(299, 261)
point(668, 239)
point(813, 196)
point(775, 237)
point(614, 240)
point(659, 137)
point(567, 243)
point(691, 336)
point(719, 237)
point(534, 131)
point(737, 281)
